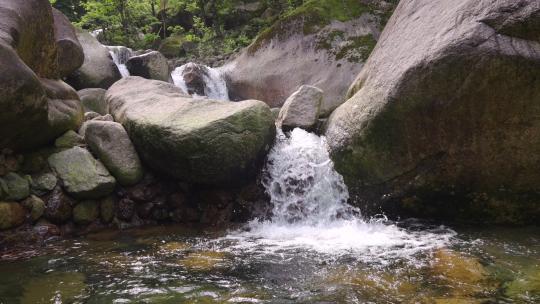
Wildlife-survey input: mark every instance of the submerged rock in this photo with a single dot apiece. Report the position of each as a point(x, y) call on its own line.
point(447, 104)
point(83, 176)
point(111, 143)
point(98, 70)
point(152, 65)
point(198, 141)
point(11, 215)
point(63, 287)
point(93, 100)
point(204, 260)
point(301, 109)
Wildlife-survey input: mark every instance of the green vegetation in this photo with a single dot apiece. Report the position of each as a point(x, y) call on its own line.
point(206, 27)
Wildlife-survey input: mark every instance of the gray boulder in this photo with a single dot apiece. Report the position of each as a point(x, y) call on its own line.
point(69, 140)
point(30, 66)
point(98, 70)
point(301, 109)
point(93, 100)
point(442, 120)
point(110, 142)
point(70, 52)
point(42, 183)
point(199, 141)
point(86, 212)
point(151, 65)
point(83, 176)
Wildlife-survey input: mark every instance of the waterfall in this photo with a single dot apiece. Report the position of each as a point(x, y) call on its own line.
point(200, 80)
point(120, 56)
point(310, 210)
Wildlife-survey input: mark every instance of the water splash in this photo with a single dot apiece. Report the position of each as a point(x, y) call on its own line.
point(200, 80)
point(120, 56)
point(310, 211)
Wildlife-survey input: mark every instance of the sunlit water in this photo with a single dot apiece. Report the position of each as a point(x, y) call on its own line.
point(120, 56)
point(314, 249)
point(215, 85)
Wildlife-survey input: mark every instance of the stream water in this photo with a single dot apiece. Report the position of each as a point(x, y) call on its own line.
point(120, 56)
point(314, 249)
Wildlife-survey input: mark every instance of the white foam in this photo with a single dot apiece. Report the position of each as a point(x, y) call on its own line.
point(215, 84)
point(311, 212)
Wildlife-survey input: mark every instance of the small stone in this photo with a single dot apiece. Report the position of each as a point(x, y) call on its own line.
point(36, 207)
point(68, 140)
point(15, 187)
point(90, 115)
point(301, 109)
point(83, 176)
point(126, 209)
point(58, 208)
point(107, 209)
point(11, 215)
point(43, 183)
point(86, 212)
point(93, 100)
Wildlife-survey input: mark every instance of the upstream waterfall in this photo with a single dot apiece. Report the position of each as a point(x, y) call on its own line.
point(201, 80)
point(120, 56)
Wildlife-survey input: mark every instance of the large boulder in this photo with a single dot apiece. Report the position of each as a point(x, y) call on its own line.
point(70, 52)
point(11, 215)
point(196, 140)
point(301, 109)
point(442, 120)
point(14, 187)
point(34, 107)
point(83, 176)
point(321, 43)
point(98, 69)
point(93, 100)
point(110, 142)
point(152, 65)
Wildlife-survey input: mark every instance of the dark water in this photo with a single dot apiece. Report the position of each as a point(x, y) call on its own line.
point(180, 265)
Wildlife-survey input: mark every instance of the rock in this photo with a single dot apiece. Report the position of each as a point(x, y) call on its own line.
point(301, 109)
point(29, 60)
point(11, 215)
point(321, 43)
point(59, 206)
point(98, 70)
point(126, 209)
point(42, 183)
point(82, 130)
point(151, 65)
point(193, 75)
point(445, 110)
point(14, 187)
point(525, 285)
point(198, 141)
point(70, 52)
point(35, 205)
point(275, 112)
point(83, 176)
point(85, 212)
point(111, 143)
point(107, 209)
point(107, 117)
point(93, 100)
point(90, 115)
point(45, 229)
point(70, 139)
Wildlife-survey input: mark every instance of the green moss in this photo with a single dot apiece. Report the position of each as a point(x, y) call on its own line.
point(311, 17)
point(358, 49)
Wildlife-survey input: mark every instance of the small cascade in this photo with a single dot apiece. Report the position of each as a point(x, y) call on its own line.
point(120, 56)
point(310, 210)
point(200, 80)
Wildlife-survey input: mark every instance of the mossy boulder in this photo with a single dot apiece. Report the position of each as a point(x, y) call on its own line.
point(83, 176)
point(198, 141)
point(15, 187)
point(42, 183)
point(11, 215)
point(85, 212)
point(445, 111)
point(111, 143)
point(70, 139)
point(35, 205)
point(107, 209)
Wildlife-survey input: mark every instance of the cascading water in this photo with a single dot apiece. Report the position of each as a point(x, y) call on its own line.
point(200, 80)
point(120, 56)
point(310, 210)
